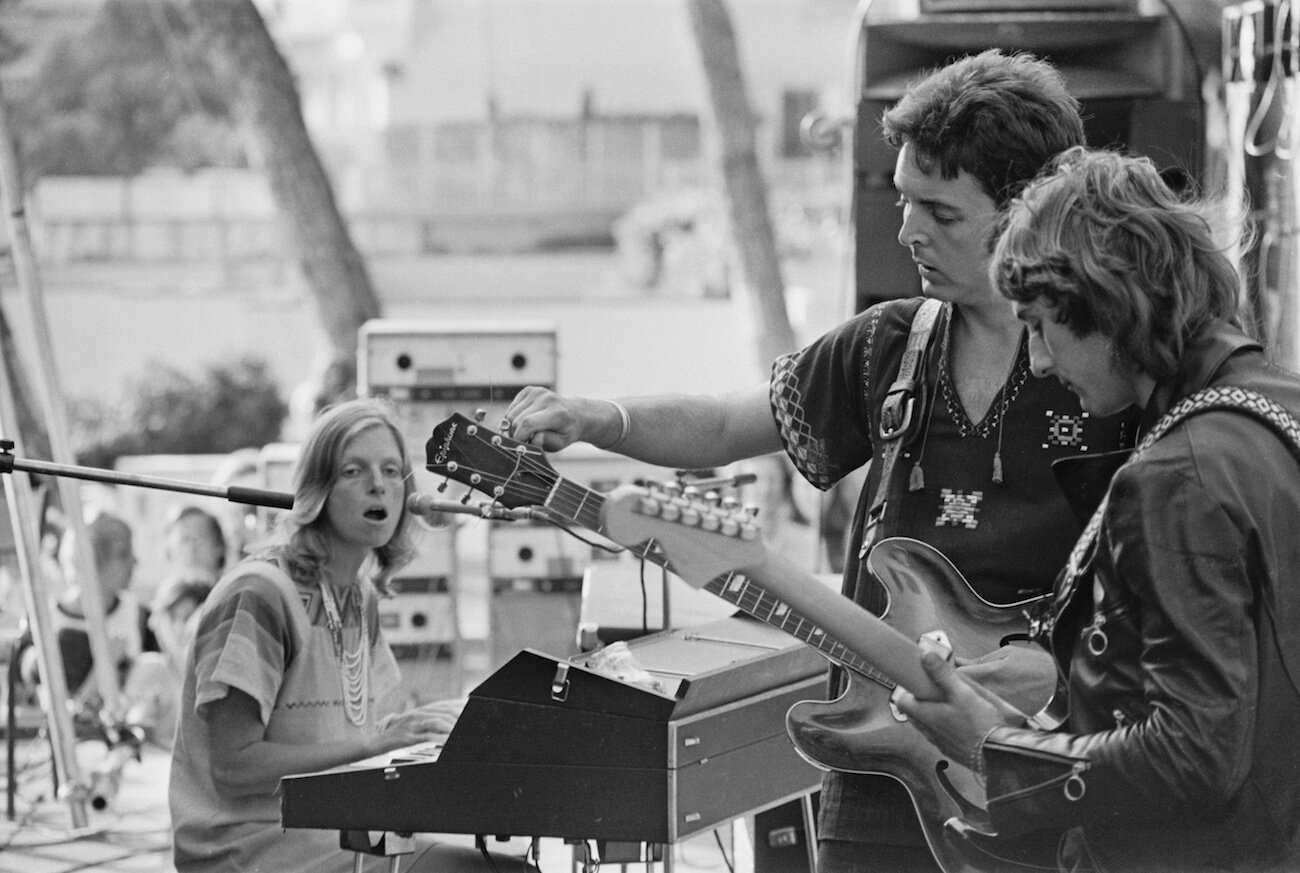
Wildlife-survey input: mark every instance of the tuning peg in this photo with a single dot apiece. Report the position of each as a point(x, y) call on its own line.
point(479, 415)
point(442, 486)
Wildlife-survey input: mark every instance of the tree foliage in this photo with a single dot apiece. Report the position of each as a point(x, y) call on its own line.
point(228, 406)
point(134, 90)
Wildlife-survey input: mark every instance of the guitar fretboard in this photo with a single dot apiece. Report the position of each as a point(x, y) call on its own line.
point(573, 501)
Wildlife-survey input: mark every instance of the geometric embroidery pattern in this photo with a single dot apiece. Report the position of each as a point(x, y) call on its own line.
point(808, 452)
point(1065, 430)
point(958, 508)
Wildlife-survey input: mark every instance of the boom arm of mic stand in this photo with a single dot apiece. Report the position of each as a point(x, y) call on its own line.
point(233, 493)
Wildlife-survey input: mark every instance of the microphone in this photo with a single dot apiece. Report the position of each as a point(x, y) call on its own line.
point(425, 505)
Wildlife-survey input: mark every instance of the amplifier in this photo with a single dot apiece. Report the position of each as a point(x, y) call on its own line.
point(450, 364)
point(421, 614)
point(519, 550)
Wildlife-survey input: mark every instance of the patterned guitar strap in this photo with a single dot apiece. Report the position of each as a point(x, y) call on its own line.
point(1228, 397)
point(896, 414)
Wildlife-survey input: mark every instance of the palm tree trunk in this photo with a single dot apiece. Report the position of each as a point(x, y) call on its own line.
point(264, 97)
point(746, 189)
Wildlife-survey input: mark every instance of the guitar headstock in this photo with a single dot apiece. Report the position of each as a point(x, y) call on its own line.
point(510, 472)
point(701, 539)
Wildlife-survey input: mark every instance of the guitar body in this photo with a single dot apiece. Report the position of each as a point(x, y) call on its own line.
point(861, 732)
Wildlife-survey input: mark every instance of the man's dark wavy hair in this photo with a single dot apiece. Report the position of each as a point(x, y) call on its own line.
point(999, 117)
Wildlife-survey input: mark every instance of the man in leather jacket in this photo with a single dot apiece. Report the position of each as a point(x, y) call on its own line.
point(1176, 623)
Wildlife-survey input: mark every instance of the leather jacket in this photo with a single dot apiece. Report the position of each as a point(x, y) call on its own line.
point(1179, 643)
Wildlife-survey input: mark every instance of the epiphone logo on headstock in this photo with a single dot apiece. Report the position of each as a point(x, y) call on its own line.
point(445, 449)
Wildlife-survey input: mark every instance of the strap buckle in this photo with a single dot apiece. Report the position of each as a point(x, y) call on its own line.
point(896, 411)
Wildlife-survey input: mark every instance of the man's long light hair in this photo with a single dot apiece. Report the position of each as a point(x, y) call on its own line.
point(1111, 248)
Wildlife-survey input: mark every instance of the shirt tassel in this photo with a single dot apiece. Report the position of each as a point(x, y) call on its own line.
point(997, 468)
point(917, 480)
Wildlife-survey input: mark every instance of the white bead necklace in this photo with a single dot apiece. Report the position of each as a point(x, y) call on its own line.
point(354, 666)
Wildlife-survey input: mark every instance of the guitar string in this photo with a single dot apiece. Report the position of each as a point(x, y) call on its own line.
point(752, 599)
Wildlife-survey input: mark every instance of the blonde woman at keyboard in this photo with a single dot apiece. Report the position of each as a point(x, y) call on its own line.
point(289, 670)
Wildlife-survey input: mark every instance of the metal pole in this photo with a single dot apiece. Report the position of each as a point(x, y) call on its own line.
point(55, 414)
point(22, 513)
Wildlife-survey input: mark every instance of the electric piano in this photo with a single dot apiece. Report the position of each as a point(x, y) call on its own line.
point(548, 747)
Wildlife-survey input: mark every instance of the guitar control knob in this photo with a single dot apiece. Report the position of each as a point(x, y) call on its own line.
point(649, 506)
point(748, 532)
point(690, 492)
point(710, 522)
point(670, 512)
point(690, 516)
point(730, 526)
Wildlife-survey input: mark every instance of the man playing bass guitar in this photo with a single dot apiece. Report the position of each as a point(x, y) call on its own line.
point(964, 447)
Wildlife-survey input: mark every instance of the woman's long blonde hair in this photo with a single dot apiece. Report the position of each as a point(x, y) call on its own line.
point(306, 546)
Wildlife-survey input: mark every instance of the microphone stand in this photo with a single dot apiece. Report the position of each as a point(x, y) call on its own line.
point(232, 493)
point(122, 743)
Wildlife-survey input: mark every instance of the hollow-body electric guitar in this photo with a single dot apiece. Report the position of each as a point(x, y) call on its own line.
point(720, 551)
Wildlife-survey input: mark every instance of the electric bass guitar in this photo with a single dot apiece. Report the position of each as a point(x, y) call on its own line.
point(860, 731)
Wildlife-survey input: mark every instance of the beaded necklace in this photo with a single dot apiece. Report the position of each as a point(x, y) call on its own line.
point(354, 666)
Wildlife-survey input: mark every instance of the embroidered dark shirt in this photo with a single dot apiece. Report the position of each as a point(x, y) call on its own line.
point(1009, 539)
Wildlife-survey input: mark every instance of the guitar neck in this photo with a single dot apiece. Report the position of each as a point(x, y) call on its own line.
point(571, 500)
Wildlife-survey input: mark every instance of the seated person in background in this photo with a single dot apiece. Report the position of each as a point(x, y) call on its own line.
point(125, 619)
point(194, 543)
point(1176, 621)
point(154, 686)
point(289, 671)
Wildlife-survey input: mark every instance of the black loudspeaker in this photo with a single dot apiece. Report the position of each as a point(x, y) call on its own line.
point(781, 839)
point(1133, 73)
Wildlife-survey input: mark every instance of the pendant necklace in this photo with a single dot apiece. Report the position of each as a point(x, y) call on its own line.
point(354, 666)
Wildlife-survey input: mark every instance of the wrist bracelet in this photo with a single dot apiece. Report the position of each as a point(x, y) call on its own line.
point(624, 425)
